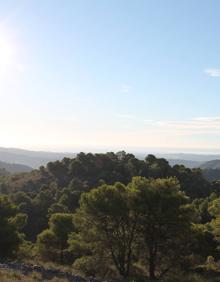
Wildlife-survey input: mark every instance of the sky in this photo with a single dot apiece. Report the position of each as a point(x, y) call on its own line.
point(119, 74)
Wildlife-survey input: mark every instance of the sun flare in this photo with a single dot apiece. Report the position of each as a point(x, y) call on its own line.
point(7, 53)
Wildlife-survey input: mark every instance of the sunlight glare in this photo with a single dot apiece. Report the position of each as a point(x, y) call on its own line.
point(7, 53)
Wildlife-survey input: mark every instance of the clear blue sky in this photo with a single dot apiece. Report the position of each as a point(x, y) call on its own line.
point(110, 74)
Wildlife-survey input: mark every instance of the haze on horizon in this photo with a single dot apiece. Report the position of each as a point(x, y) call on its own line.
point(110, 74)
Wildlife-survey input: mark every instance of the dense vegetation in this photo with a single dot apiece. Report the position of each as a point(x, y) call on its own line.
point(211, 174)
point(115, 217)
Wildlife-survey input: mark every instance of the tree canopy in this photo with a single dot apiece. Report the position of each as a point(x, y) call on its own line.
point(113, 216)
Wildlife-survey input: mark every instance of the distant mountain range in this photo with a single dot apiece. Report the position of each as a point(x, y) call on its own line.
point(18, 160)
point(204, 161)
point(198, 158)
point(15, 168)
point(214, 164)
point(186, 163)
point(210, 164)
point(32, 159)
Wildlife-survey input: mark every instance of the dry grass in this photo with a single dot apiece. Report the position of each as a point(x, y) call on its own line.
point(16, 276)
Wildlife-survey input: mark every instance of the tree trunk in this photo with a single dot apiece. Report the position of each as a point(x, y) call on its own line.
point(151, 265)
point(61, 254)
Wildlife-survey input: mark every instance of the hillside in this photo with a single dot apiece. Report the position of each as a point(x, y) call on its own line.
point(201, 158)
point(214, 164)
point(35, 159)
point(186, 159)
point(28, 158)
point(50, 209)
point(186, 163)
point(211, 170)
point(87, 171)
point(14, 168)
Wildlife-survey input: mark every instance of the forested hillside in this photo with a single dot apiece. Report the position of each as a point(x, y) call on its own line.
point(30, 158)
point(113, 216)
point(14, 168)
point(214, 164)
point(211, 174)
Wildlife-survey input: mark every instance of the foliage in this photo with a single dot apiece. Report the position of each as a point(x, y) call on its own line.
point(9, 237)
point(148, 218)
point(164, 220)
point(53, 241)
point(113, 216)
point(106, 212)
